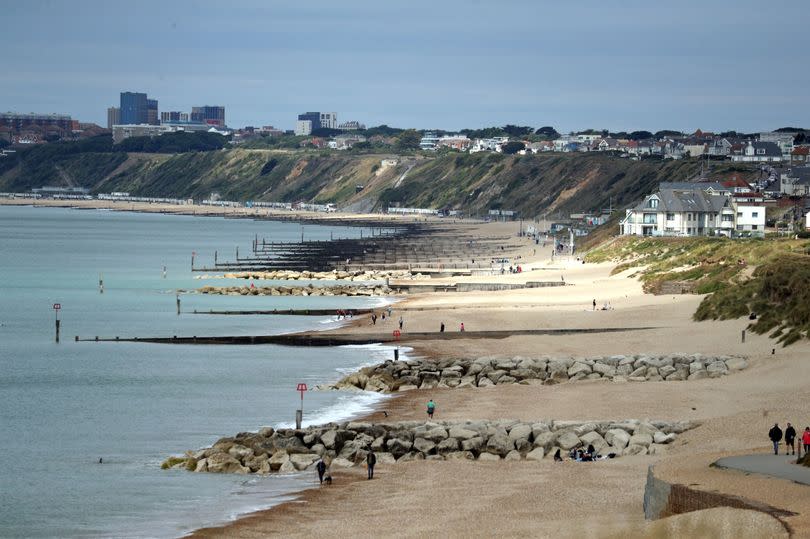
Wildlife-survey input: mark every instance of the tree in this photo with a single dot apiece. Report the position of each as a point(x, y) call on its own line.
point(548, 132)
point(325, 132)
point(4, 143)
point(408, 140)
point(667, 133)
point(512, 147)
point(517, 130)
point(640, 135)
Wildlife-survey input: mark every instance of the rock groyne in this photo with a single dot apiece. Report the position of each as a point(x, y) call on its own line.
point(337, 290)
point(334, 275)
point(347, 444)
point(487, 371)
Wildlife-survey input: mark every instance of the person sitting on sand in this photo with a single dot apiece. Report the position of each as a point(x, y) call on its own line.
point(557, 457)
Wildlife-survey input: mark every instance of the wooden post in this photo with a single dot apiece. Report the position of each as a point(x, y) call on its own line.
point(215, 258)
point(100, 283)
point(178, 304)
point(57, 330)
point(743, 336)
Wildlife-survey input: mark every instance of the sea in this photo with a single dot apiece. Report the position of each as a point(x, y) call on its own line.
point(84, 426)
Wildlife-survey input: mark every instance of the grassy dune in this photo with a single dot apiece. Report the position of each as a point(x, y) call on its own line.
point(767, 277)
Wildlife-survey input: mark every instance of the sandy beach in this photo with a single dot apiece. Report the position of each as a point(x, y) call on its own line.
point(545, 499)
point(469, 498)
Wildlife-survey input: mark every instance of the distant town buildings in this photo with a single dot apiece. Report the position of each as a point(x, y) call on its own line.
point(174, 116)
point(303, 128)
point(113, 117)
point(351, 125)
point(209, 115)
point(134, 108)
point(35, 128)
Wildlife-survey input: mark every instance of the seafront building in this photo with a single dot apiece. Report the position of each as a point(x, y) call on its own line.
point(113, 117)
point(690, 211)
point(134, 108)
point(209, 115)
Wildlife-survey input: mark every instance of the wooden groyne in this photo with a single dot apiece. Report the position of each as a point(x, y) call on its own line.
point(289, 312)
point(327, 339)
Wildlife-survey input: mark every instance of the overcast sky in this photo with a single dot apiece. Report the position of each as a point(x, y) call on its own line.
point(427, 64)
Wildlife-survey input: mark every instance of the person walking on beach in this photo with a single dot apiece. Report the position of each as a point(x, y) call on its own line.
point(321, 468)
point(441, 328)
point(431, 407)
point(400, 322)
point(806, 440)
point(775, 434)
point(374, 319)
point(371, 460)
point(790, 438)
point(462, 327)
point(594, 304)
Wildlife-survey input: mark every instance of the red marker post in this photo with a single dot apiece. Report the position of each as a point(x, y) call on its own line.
point(56, 308)
point(299, 414)
point(397, 335)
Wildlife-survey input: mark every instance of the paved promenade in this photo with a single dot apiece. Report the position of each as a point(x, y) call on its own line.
point(780, 466)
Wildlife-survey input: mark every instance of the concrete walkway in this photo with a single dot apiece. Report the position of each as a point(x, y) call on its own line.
point(780, 466)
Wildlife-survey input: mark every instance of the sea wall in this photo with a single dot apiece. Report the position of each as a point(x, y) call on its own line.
point(487, 371)
point(663, 499)
point(347, 444)
point(337, 290)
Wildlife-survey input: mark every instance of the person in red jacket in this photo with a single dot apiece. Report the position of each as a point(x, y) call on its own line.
point(806, 440)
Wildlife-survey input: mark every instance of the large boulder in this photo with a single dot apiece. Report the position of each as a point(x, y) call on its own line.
point(617, 437)
point(535, 454)
point(593, 438)
point(661, 438)
point(424, 446)
point(488, 457)
point(436, 434)
point(462, 433)
point(449, 445)
point(545, 440)
point(634, 450)
point(512, 455)
point(302, 461)
point(221, 462)
point(499, 444)
point(520, 431)
point(642, 439)
point(717, 368)
point(334, 439)
point(473, 444)
point(275, 462)
point(736, 363)
point(398, 447)
point(240, 452)
point(568, 440)
point(578, 368)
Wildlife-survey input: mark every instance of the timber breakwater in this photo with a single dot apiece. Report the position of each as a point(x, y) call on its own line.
point(334, 275)
point(487, 371)
point(347, 444)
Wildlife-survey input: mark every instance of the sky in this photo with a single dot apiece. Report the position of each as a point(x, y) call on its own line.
point(442, 64)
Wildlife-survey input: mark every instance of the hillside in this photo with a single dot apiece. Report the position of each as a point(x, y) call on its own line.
point(475, 183)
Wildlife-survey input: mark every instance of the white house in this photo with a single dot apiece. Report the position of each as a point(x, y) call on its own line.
point(692, 212)
point(759, 152)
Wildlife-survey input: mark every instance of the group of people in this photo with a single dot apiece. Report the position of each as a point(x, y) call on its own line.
point(374, 317)
point(325, 477)
point(583, 455)
point(343, 313)
point(441, 327)
point(605, 306)
point(776, 435)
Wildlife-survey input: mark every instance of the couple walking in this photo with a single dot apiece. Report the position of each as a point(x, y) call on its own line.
point(775, 434)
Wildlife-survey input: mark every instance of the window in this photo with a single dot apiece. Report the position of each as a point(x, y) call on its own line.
point(760, 151)
point(753, 227)
point(739, 227)
point(739, 215)
point(755, 214)
point(727, 218)
point(652, 203)
point(649, 219)
point(670, 217)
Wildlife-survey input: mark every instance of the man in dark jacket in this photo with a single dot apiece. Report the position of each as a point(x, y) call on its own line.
point(790, 438)
point(321, 467)
point(775, 434)
point(371, 460)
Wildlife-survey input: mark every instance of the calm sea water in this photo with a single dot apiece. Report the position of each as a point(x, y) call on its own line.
point(64, 406)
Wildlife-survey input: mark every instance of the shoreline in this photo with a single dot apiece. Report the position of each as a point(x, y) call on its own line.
point(727, 408)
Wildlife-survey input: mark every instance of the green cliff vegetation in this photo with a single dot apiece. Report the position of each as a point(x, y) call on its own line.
point(767, 277)
point(186, 166)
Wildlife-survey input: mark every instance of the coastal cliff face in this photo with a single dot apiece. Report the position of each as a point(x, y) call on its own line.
point(474, 183)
